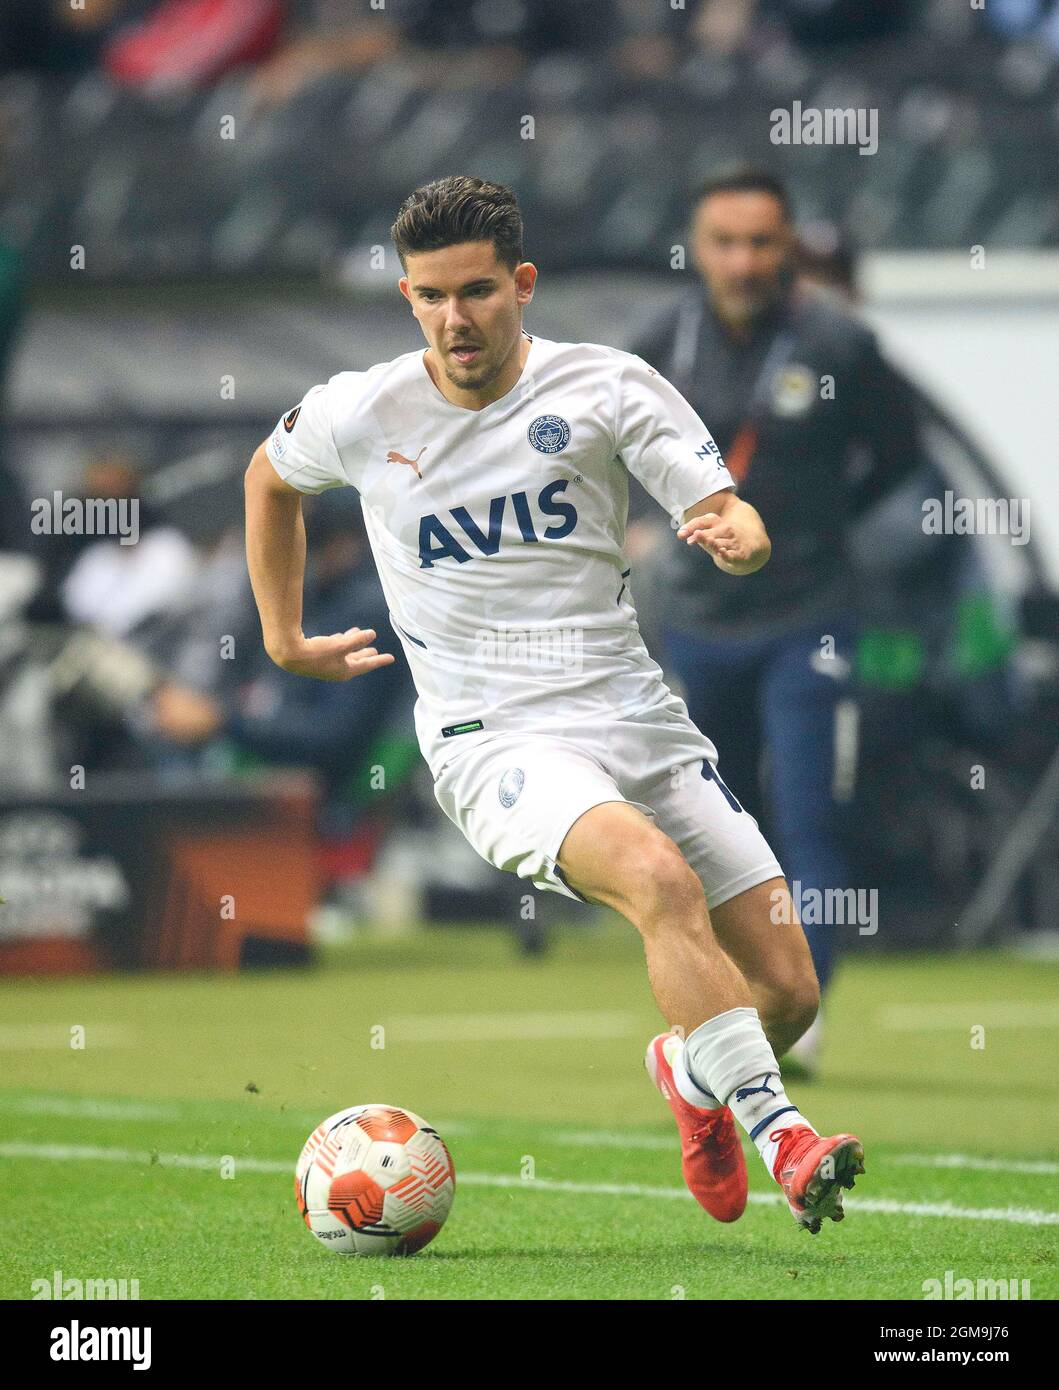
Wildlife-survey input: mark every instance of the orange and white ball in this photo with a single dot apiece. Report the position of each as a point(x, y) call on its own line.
point(374, 1180)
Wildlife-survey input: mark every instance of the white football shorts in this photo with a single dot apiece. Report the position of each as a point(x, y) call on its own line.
point(515, 796)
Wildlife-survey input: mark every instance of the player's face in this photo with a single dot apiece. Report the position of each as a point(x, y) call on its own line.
point(469, 306)
point(741, 243)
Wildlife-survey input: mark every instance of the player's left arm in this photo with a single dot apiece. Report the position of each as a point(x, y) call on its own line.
point(664, 443)
point(730, 531)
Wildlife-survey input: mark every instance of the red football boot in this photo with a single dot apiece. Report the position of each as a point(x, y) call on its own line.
point(711, 1154)
point(813, 1171)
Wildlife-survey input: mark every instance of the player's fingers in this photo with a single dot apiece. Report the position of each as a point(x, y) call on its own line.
point(698, 523)
point(360, 662)
point(709, 539)
point(339, 643)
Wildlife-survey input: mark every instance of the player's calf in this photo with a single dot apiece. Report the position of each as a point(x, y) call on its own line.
point(787, 1012)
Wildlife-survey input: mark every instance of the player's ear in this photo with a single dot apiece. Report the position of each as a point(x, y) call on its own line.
point(405, 288)
point(525, 279)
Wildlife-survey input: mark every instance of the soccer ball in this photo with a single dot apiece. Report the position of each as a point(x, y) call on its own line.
point(374, 1180)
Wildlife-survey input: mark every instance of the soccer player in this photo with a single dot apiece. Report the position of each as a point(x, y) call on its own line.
point(493, 474)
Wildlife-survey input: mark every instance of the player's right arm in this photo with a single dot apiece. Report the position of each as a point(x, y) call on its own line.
point(275, 556)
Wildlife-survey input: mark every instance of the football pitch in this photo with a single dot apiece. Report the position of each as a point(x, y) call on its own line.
point(163, 1149)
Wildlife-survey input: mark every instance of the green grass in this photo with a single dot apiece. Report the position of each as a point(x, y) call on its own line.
point(184, 1050)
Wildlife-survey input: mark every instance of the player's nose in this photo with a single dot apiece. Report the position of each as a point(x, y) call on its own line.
point(456, 317)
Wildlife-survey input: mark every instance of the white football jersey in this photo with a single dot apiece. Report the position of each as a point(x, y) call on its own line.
point(499, 533)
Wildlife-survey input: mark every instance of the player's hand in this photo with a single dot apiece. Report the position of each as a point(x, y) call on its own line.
point(733, 546)
point(339, 657)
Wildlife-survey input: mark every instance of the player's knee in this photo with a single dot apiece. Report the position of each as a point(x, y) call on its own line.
point(800, 1003)
point(666, 888)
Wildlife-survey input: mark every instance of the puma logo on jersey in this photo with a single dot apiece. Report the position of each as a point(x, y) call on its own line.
point(438, 542)
point(394, 457)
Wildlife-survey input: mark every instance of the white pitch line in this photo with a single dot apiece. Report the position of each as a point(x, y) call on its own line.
point(973, 1164)
point(992, 1013)
point(38, 1037)
point(613, 1139)
point(89, 1108)
point(507, 1027)
point(605, 1139)
point(608, 1139)
point(83, 1153)
point(87, 1153)
point(118, 1110)
point(1022, 1216)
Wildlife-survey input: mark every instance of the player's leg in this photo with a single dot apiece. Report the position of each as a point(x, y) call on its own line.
point(759, 930)
point(753, 918)
point(613, 855)
point(729, 1056)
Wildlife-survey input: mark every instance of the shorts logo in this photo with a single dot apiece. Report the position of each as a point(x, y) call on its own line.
point(511, 784)
point(279, 447)
point(549, 434)
point(289, 421)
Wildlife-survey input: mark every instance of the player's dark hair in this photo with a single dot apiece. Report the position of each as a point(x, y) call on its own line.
point(458, 209)
point(745, 178)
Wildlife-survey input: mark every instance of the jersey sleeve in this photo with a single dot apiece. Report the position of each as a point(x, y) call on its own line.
point(663, 443)
point(302, 446)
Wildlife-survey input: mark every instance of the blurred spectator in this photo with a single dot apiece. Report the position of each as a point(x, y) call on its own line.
point(824, 257)
point(53, 36)
point(458, 43)
point(121, 588)
point(14, 533)
point(841, 21)
point(191, 43)
point(282, 719)
point(648, 39)
point(814, 427)
point(723, 27)
point(1024, 19)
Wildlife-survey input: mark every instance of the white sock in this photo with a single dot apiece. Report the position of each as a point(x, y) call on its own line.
point(688, 1089)
point(736, 1061)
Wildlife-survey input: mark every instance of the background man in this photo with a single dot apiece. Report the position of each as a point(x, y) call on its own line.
point(814, 427)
